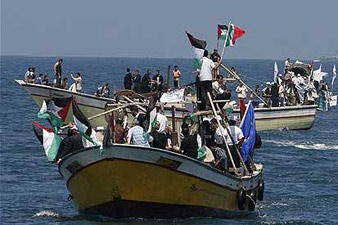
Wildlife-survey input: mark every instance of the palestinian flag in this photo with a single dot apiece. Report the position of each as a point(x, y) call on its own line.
point(222, 31)
point(151, 114)
point(55, 110)
point(199, 46)
point(48, 139)
point(84, 127)
point(233, 33)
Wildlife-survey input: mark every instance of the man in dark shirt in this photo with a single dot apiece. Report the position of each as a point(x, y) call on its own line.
point(146, 81)
point(137, 82)
point(71, 143)
point(189, 145)
point(58, 72)
point(128, 82)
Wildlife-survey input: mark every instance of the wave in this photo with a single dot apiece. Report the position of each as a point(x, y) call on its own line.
point(304, 145)
point(47, 213)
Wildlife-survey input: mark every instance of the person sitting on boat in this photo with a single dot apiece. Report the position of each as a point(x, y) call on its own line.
point(146, 82)
point(218, 133)
point(120, 133)
point(136, 135)
point(64, 83)
point(255, 100)
point(160, 138)
point(106, 91)
point(137, 82)
point(76, 87)
point(71, 143)
point(235, 141)
point(189, 145)
point(219, 154)
point(281, 93)
point(39, 79)
point(267, 93)
point(45, 80)
point(158, 81)
point(219, 90)
point(139, 116)
point(58, 72)
point(28, 74)
point(176, 75)
point(128, 80)
point(291, 94)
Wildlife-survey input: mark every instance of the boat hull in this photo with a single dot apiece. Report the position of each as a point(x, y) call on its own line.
point(275, 118)
point(130, 181)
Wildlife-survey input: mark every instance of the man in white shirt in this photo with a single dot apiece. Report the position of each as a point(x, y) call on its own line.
point(205, 80)
point(241, 91)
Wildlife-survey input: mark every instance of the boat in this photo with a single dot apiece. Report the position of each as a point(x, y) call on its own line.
point(300, 117)
point(133, 181)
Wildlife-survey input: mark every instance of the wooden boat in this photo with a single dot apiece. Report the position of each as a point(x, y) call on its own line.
point(299, 117)
point(133, 181)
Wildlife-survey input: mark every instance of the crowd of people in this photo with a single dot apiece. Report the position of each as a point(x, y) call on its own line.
point(59, 81)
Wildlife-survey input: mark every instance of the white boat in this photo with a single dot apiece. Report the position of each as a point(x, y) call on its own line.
point(299, 117)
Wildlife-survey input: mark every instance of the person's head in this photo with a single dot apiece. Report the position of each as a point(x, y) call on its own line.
point(185, 129)
point(288, 59)
point(232, 120)
point(119, 121)
point(268, 84)
point(175, 67)
point(107, 85)
point(212, 145)
point(45, 77)
point(241, 84)
point(40, 75)
point(157, 72)
point(128, 70)
point(134, 110)
point(215, 50)
point(65, 79)
point(219, 79)
point(78, 74)
point(137, 71)
point(71, 131)
point(213, 124)
point(206, 53)
point(60, 60)
point(148, 71)
point(257, 86)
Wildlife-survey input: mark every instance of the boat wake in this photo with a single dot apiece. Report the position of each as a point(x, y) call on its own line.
point(305, 145)
point(46, 213)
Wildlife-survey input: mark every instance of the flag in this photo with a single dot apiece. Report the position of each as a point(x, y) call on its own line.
point(232, 35)
point(55, 110)
point(199, 46)
point(222, 31)
point(84, 127)
point(334, 75)
point(151, 114)
point(248, 126)
point(275, 72)
point(48, 139)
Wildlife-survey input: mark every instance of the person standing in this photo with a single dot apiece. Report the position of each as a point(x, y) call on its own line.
point(287, 65)
point(128, 80)
point(77, 86)
point(215, 57)
point(176, 75)
point(205, 80)
point(137, 82)
point(146, 82)
point(58, 72)
point(158, 81)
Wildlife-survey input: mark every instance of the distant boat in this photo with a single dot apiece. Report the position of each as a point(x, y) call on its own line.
point(328, 58)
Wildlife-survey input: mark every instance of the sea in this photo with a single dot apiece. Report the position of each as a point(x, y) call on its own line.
point(301, 167)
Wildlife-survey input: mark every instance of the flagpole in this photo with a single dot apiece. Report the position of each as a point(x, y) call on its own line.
point(226, 38)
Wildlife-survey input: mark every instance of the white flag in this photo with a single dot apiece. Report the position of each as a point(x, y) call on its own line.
point(334, 74)
point(275, 73)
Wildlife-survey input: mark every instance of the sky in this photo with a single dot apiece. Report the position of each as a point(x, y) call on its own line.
point(274, 29)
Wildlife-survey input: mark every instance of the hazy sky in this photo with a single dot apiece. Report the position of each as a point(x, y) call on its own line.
point(154, 28)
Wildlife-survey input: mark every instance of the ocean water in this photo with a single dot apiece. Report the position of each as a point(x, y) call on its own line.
point(301, 168)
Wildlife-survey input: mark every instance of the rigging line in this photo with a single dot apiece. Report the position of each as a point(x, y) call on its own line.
point(262, 82)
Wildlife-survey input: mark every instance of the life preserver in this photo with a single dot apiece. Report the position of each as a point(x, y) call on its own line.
point(252, 201)
point(260, 194)
point(241, 196)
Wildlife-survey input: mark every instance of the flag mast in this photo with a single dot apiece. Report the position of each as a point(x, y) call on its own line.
point(226, 38)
